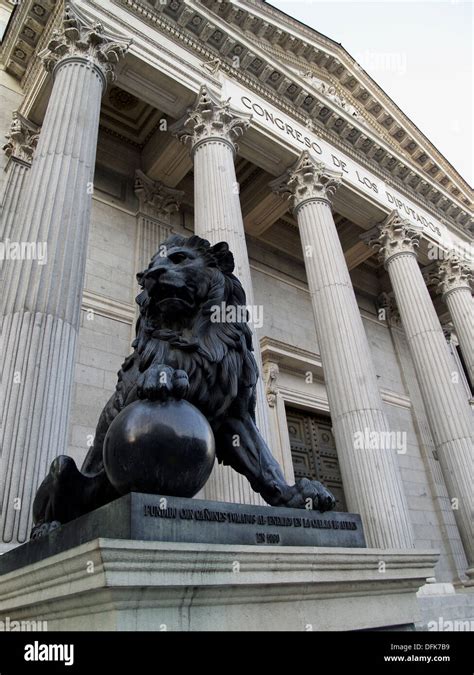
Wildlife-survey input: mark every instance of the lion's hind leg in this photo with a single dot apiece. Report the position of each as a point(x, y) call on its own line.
point(66, 493)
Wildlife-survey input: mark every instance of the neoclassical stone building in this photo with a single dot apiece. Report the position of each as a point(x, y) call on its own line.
point(125, 120)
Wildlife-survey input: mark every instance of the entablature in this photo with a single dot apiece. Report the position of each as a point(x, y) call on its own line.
point(301, 72)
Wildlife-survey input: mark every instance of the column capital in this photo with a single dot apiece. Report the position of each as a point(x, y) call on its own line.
point(22, 139)
point(78, 39)
point(307, 180)
point(392, 237)
point(210, 119)
point(155, 199)
point(449, 275)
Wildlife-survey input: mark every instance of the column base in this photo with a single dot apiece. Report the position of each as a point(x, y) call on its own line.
point(444, 608)
point(112, 584)
point(470, 577)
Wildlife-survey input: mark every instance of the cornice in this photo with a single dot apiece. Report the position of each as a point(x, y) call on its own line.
point(278, 53)
point(157, 21)
point(108, 307)
point(344, 59)
point(35, 74)
point(277, 350)
point(296, 360)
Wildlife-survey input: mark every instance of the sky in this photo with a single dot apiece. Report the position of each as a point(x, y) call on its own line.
point(419, 52)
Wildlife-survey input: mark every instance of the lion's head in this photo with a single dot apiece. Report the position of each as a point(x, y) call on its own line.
point(182, 286)
point(184, 274)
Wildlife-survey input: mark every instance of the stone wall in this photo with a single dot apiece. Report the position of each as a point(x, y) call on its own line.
point(287, 311)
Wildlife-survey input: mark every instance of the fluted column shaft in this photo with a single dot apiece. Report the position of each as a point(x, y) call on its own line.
point(452, 278)
point(151, 233)
point(156, 203)
point(445, 401)
point(22, 140)
point(42, 301)
point(443, 394)
point(461, 309)
point(371, 476)
point(212, 127)
point(218, 217)
point(18, 171)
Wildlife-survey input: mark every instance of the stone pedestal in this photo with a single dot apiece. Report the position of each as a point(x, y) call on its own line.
point(110, 584)
point(42, 302)
point(371, 476)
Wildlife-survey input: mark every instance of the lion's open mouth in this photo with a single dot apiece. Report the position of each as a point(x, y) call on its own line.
point(169, 294)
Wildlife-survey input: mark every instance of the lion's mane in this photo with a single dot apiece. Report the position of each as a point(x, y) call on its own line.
point(217, 356)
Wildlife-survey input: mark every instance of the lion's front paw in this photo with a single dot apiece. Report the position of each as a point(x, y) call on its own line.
point(160, 382)
point(43, 529)
point(310, 494)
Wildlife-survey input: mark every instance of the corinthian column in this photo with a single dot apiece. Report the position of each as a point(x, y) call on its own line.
point(156, 202)
point(22, 140)
point(452, 278)
point(446, 405)
point(370, 473)
point(42, 301)
point(211, 129)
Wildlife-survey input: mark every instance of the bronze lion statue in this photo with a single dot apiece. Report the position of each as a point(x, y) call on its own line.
point(208, 363)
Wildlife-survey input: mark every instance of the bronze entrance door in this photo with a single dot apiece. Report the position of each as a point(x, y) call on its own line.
point(313, 451)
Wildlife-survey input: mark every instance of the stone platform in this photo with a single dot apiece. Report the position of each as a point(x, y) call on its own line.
point(117, 584)
point(140, 563)
point(153, 518)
